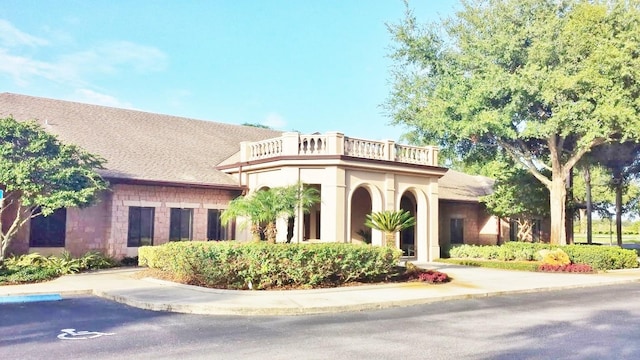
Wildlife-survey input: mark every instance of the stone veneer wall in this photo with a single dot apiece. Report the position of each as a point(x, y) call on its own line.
point(86, 229)
point(162, 198)
point(104, 225)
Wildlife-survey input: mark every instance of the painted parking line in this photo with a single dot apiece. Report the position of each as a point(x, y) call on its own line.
point(29, 298)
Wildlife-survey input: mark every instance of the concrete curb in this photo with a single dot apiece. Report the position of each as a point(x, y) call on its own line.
point(161, 295)
point(212, 309)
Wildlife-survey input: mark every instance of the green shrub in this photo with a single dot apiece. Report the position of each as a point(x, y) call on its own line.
point(521, 251)
point(495, 264)
point(598, 257)
point(35, 267)
point(96, 260)
point(602, 257)
point(26, 274)
point(64, 264)
point(237, 265)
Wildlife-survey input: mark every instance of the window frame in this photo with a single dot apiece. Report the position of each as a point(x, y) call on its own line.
point(178, 214)
point(40, 230)
point(513, 230)
point(222, 232)
point(137, 242)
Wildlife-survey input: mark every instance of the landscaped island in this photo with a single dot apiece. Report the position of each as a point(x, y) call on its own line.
point(260, 266)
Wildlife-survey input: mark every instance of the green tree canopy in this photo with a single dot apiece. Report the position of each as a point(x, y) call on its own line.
point(39, 174)
point(544, 80)
point(519, 196)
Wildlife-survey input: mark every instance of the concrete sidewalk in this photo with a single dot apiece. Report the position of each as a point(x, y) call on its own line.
point(468, 282)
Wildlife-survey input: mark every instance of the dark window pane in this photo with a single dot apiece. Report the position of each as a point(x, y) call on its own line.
point(180, 224)
point(140, 226)
point(513, 230)
point(146, 226)
point(457, 231)
point(215, 230)
point(49, 231)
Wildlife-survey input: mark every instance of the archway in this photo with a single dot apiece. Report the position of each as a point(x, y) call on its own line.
point(408, 236)
point(361, 205)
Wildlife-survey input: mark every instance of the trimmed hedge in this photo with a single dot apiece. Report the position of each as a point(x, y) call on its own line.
point(495, 264)
point(236, 265)
point(602, 257)
point(598, 257)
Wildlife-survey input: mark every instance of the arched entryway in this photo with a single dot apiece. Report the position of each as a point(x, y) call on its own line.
point(408, 236)
point(361, 205)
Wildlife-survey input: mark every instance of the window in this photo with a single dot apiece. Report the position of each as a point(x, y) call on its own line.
point(513, 230)
point(140, 226)
point(181, 225)
point(215, 230)
point(49, 231)
point(457, 231)
point(536, 230)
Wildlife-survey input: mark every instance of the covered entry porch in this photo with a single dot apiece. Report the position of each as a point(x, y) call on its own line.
point(354, 177)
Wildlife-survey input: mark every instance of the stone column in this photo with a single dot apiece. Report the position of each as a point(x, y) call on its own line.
point(333, 207)
point(433, 238)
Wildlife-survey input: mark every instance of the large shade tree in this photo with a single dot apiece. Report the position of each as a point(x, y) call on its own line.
point(510, 200)
point(544, 80)
point(39, 174)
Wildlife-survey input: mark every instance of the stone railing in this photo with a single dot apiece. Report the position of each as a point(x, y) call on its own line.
point(265, 149)
point(334, 143)
point(312, 144)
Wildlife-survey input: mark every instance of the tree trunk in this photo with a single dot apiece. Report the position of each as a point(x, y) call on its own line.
point(270, 232)
point(587, 182)
point(8, 231)
point(390, 239)
point(255, 232)
point(568, 213)
point(617, 180)
point(558, 196)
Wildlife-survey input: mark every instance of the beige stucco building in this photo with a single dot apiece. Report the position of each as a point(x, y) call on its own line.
point(171, 177)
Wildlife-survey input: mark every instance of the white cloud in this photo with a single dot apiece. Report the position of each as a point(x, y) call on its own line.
point(10, 36)
point(74, 69)
point(22, 68)
point(93, 97)
point(274, 120)
point(111, 57)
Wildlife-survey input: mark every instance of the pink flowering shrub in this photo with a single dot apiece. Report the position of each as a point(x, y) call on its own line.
point(575, 268)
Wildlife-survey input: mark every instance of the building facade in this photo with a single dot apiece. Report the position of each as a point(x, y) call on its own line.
point(171, 178)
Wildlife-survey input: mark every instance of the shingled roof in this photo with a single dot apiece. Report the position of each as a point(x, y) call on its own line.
point(145, 146)
point(139, 145)
point(458, 186)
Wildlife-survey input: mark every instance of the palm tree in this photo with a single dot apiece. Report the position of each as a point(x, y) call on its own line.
point(390, 222)
point(267, 206)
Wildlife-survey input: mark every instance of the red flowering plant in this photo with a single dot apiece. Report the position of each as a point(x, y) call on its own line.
point(431, 276)
point(575, 268)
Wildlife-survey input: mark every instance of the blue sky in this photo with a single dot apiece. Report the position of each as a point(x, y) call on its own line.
point(304, 65)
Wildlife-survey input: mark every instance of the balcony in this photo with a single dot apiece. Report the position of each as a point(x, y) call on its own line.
point(335, 143)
